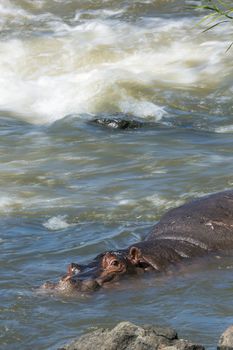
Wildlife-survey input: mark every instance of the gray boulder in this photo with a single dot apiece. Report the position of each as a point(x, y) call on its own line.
point(128, 336)
point(226, 339)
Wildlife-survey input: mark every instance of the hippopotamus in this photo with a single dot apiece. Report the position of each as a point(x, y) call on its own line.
point(197, 228)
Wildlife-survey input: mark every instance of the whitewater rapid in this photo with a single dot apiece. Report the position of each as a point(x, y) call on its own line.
point(105, 64)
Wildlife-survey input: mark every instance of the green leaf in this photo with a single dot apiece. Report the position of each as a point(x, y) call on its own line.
point(214, 25)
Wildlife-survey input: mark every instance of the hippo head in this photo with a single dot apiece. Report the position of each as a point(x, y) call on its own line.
point(104, 269)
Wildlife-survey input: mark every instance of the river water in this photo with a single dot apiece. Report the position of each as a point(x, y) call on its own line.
point(70, 189)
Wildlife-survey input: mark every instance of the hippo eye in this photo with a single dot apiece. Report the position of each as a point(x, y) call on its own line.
point(115, 263)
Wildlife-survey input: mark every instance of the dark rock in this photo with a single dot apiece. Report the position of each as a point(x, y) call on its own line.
point(121, 123)
point(128, 336)
point(226, 339)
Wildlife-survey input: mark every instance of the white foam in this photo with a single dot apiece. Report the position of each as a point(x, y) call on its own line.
point(9, 203)
point(224, 129)
point(142, 108)
point(102, 13)
point(7, 9)
point(159, 201)
point(126, 202)
point(105, 65)
point(56, 223)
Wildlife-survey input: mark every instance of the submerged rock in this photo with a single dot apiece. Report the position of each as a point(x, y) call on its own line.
point(128, 336)
point(226, 339)
point(121, 123)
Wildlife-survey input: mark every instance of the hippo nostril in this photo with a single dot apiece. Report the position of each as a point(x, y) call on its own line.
point(75, 267)
point(75, 270)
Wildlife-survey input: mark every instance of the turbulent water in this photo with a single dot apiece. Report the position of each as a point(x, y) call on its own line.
point(70, 189)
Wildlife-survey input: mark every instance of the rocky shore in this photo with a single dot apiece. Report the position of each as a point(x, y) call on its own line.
point(128, 336)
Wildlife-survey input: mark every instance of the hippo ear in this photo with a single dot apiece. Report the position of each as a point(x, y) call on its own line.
point(137, 258)
point(135, 254)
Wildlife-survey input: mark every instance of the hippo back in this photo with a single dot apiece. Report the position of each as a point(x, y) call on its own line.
point(206, 222)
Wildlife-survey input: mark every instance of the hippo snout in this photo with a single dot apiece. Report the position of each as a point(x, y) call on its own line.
point(69, 285)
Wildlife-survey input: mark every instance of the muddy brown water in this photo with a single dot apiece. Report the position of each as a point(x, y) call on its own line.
point(70, 190)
